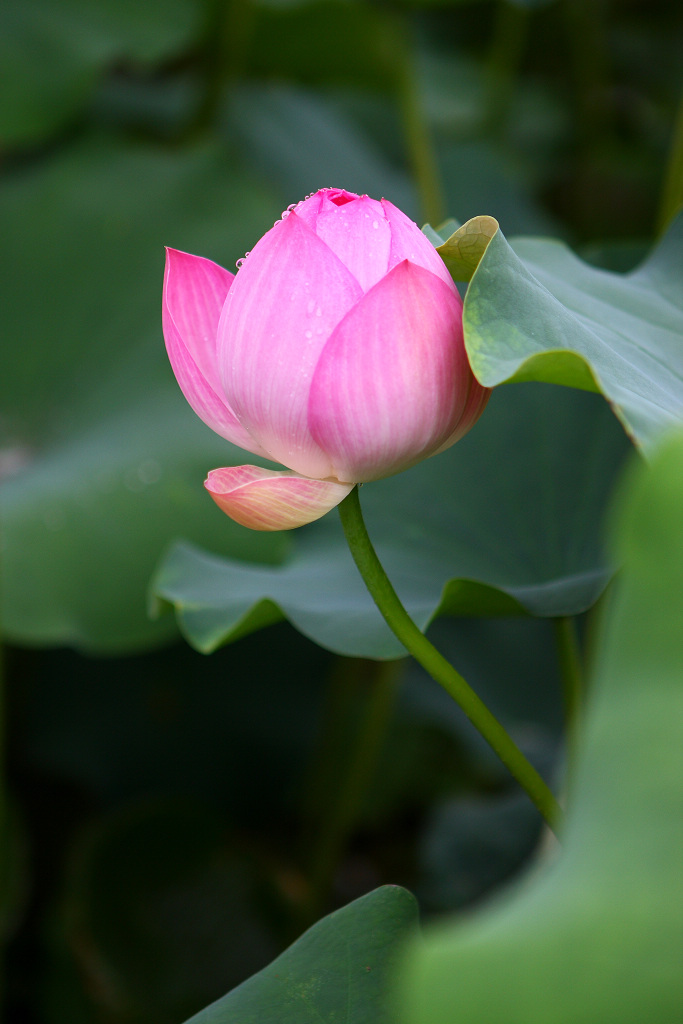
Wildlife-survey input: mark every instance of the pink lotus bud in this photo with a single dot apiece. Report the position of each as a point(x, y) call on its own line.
point(336, 351)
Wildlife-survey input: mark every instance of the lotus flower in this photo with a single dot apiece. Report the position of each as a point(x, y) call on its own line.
point(336, 350)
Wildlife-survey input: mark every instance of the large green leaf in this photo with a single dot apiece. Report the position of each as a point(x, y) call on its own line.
point(337, 970)
point(52, 53)
point(101, 458)
point(598, 934)
point(505, 521)
point(534, 311)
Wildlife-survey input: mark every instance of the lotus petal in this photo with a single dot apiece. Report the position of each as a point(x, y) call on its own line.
point(393, 380)
point(265, 499)
point(287, 298)
point(194, 292)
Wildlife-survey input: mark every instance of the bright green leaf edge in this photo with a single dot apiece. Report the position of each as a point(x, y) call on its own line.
point(336, 971)
point(597, 934)
point(535, 312)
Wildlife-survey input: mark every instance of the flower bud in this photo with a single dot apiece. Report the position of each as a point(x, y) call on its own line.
point(336, 351)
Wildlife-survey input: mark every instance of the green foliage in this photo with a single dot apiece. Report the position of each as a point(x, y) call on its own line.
point(104, 460)
point(167, 803)
point(488, 527)
point(337, 970)
point(53, 52)
point(533, 311)
point(597, 933)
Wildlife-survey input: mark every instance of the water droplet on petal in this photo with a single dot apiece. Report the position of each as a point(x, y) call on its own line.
point(310, 306)
point(309, 334)
point(375, 224)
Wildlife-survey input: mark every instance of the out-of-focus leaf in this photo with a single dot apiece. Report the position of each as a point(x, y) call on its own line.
point(491, 526)
point(326, 41)
point(471, 845)
point(53, 51)
point(597, 934)
point(534, 311)
point(101, 458)
point(336, 971)
point(161, 914)
point(302, 142)
point(481, 178)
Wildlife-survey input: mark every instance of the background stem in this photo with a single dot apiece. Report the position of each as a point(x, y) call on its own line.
point(672, 192)
point(418, 139)
point(353, 771)
point(510, 32)
point(398, 620)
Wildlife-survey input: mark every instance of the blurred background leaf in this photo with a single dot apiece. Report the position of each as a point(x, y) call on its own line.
point(104, 461)
point(597, 932)
point(53, 55)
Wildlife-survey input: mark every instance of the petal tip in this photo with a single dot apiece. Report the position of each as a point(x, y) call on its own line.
point(265, 499)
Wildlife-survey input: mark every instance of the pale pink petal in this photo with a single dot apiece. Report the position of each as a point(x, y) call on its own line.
point(409, 243)
point(357, 231)
point(287, 298)
point(194, 292)
point(264, 499)
point(393, 380)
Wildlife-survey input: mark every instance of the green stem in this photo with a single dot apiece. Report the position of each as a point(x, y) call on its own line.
point(398, 620)
point(510, 32)
point(417, 135)
point(672, 192)
point(227, 35)
point(569, 657)
point(588, 48)
point(379, 682)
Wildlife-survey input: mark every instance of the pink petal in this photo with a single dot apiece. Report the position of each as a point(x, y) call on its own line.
point(409, 243)
point(393, 380)
point(357, 231)
point(194, 292)
point(287, 298)
point(308, 209)
point(264, 499)
point(477, 401)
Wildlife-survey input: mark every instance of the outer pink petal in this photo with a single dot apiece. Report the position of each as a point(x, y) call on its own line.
point(264, 499)
point(194, 292)
point(287, 298)
point(357, 231)
point(393, 381)
point(409, 243)
point(477, 401)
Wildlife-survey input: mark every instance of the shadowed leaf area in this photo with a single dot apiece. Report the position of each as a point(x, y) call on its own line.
point(597, 934)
